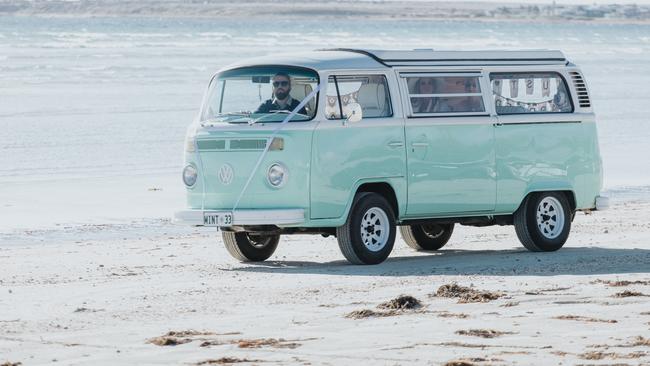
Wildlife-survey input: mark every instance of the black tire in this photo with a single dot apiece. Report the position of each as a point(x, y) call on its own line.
point(247, 247)
point(367, 208)
point(426, 237)
point(552, 231)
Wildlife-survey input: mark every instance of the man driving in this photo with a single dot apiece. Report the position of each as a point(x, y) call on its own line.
point(281, 100)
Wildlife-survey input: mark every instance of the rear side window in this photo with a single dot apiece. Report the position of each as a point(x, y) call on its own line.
point(370, 91)
point(444, 95)
point(520, 93)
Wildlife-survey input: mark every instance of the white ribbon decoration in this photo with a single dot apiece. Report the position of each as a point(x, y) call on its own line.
point(270, 139)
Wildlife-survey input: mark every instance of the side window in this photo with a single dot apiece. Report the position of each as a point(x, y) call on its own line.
point(370, 91)
point(431, 95)
point(540, 92)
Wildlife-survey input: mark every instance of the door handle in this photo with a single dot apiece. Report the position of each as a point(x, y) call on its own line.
point(420, 144)
point(396, 144)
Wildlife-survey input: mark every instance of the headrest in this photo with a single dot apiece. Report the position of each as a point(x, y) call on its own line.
point(300, 91)
point(372, 98)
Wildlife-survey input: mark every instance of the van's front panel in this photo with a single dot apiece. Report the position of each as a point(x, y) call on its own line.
point(226, 160)
point(248, 154)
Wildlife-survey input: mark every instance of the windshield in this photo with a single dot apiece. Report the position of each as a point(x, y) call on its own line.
point(260, 94)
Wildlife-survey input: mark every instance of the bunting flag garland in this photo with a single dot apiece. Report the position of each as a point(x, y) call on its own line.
point(497, 86)
point(546, 87)
point(550, 103)
point(543, 106)
point(514, 88)
point(530, 84)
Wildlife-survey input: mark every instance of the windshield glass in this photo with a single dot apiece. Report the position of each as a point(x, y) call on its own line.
point(260, 94)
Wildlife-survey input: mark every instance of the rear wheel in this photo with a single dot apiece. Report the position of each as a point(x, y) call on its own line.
point(247, 247)
point(368, 235)
point(543, 221)
point(427, 236)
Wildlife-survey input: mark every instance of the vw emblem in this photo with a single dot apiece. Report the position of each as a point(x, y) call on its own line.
point(226, 173)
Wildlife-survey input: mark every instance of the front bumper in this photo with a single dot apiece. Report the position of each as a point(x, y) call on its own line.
point(245, 217)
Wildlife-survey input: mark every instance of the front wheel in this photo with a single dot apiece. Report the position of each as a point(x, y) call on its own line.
point(426, 236)
point(247, 247)
point(368, 235)
point(543, 221)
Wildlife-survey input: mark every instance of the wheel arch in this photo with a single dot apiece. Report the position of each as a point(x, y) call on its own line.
point(567, 192)
point(382, 187)
point(385, 190)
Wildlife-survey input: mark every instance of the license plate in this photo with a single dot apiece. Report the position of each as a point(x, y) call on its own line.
point(217, 219)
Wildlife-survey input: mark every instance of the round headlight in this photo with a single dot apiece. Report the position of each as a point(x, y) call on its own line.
point(277, 175)
point(189, 175)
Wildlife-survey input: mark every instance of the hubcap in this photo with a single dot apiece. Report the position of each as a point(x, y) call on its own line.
point(433, 231)
point(374, 229)
point(259, 241)
point(550, 217)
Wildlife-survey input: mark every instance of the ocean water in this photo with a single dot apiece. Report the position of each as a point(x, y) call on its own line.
point(93, 111)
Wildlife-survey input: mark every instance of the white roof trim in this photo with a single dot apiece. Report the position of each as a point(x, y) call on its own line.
point(428, 57)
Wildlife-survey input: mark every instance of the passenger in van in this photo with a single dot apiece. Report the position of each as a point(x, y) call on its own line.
point(459, 104)
point(561, 101)
point(281, 100)
point(424, 86)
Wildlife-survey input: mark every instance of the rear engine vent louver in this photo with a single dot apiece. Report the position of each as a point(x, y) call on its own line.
point(581, 89)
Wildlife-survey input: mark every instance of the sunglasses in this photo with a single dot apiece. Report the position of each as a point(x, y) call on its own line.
point(280, 83)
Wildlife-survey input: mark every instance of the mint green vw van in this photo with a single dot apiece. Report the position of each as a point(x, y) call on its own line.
point(356, 143)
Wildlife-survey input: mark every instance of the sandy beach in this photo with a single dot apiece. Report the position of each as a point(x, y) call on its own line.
point(174, 296)
point(95, 99)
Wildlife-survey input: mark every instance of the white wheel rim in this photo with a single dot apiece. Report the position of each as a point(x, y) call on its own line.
point(550, 217)
point(374, 229)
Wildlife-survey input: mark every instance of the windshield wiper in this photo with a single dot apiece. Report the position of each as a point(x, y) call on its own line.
point(281, 111)
point(218, 118)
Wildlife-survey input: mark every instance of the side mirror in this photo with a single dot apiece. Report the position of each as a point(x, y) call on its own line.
point(353, 113)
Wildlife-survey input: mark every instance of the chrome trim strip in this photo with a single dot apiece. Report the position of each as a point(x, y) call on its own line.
point(536, 123)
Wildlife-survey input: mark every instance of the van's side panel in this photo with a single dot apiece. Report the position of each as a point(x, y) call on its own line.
point(542, 153)
point(593, 177)
point(344, 155)
point(547, 151)
point(451, 163)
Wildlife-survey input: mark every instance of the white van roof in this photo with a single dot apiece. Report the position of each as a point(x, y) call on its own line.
point(317, 60)
point(351, 58)
point(425, 57)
